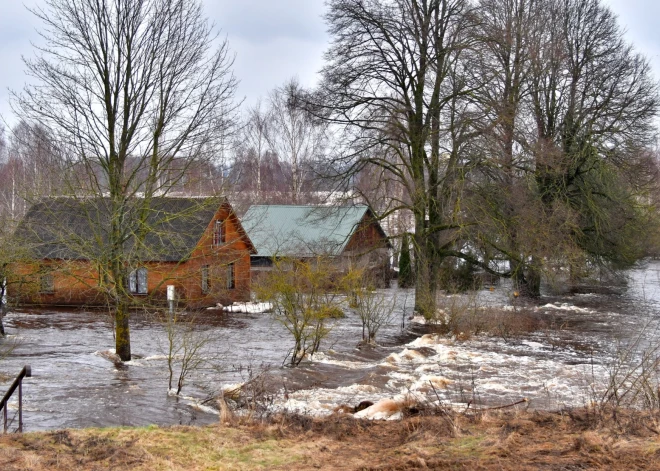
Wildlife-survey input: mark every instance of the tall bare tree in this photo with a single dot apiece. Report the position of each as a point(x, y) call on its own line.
point(393, 80)
point(3, 144)
point(293, 133)
point(569, 110)
point(519, 130)
point(32, 168)
point(256, 140)
point(506, 31)
point(134, 90)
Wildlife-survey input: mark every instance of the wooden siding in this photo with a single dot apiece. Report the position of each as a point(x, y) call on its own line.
point(77, 282)
point(368, 236)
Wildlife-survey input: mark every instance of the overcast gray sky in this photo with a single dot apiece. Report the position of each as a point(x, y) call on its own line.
point(273, 40)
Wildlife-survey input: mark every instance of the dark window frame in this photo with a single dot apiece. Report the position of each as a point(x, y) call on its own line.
point(47, 283)
point(138, 281)
point(206, 285)
point(231, 277)
point(219, 232)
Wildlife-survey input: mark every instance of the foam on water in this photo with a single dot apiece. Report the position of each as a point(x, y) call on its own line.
point(79, 381)
point(325, 358)
point(484, 369)
point(567, 307)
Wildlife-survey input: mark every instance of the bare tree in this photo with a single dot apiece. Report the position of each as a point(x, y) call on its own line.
point(31, 169)
point(594, 102)
point(518, 129)
point(305, 299)
point(395, 82)
point(3, 144)
point(256, 139)
point(568, 112)
point(132, 89)
point(186, 349)
point(294, 134)
point(506, 28)
point(375, 309)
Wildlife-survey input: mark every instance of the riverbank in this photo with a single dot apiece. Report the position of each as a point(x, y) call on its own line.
point(512, 440)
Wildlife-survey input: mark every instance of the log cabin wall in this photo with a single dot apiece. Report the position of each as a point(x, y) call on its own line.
point(225, 264)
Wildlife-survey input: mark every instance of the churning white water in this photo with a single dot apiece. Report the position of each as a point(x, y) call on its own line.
point(77, 380)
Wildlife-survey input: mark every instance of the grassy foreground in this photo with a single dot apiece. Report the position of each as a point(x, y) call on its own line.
point(493, 440)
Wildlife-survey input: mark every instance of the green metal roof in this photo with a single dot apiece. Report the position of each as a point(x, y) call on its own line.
point(302, 231)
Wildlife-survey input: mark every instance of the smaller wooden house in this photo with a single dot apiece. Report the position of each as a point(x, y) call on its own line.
point(196, 245)
point(349, 235)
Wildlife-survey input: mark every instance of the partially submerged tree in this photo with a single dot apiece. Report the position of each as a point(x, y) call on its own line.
point(374, 308)
point(568, 119)
point(519, 129)
point(137, 92)
point(393, 80)
point(304, 294)
point(186, 349)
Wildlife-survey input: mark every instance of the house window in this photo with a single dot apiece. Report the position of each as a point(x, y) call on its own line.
point(231, 280)
point(47, 284)
point(205, 279)
point(137, 281)
point(219, 233)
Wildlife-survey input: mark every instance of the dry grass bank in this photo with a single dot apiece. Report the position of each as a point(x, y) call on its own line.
point(493, 440)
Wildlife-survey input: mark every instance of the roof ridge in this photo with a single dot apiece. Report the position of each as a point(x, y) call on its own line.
point(307, 206)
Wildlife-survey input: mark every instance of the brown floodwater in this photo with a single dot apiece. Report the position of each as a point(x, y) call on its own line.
point(77, 383)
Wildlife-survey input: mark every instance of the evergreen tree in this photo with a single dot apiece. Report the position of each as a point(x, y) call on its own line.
point(406, 278)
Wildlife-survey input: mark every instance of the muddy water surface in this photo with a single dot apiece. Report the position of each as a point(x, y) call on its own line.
point(77, 382)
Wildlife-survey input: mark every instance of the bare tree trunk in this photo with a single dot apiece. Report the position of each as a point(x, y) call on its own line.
point(122, 330)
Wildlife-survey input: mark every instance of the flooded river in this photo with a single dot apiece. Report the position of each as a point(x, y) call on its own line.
point(77, 383)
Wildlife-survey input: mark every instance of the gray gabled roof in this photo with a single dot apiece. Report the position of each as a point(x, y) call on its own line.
point(301, 231)
point(77, 228)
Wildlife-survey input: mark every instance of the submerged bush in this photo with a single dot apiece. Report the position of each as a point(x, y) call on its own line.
point(304, 297)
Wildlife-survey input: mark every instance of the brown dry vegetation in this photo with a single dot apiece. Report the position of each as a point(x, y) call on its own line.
point(491, 440)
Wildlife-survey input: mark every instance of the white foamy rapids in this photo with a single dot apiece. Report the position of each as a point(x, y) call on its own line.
point(324, 401)
point(428, 339)
point(12, 405)
point(151, 360)
point(507, 308)
point(232, 391)
point(108, 355)
point(567, 307)
point(481, 370)
point(193, 402)
point(410, 356)
point(249, 308)
point(492, 371)
point(155, 357)
point(321, 357)
point(306, 406)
